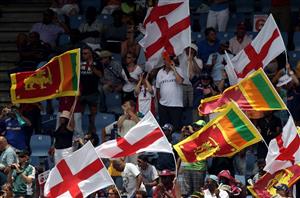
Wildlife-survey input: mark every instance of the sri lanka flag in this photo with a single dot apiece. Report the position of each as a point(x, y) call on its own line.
point(255, 92)
point(59, 77)
point(224, 136)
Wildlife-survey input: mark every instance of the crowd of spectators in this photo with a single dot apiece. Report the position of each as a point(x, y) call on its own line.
point(109, 57)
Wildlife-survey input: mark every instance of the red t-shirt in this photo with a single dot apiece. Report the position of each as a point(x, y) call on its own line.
point(65, 103)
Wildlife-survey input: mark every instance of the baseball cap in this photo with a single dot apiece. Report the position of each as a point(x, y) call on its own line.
point(168, 127)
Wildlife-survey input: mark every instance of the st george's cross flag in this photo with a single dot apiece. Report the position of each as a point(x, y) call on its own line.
point(167, 28)
point(146, 135)
point(284, 150)
point(78, 175)
point(266, 46)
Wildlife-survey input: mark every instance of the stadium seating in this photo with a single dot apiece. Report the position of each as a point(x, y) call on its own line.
point(113, 103)
point(294, 57)
point(297, 41)
point(244, 6)
point(234, 19)
point(105, 19)
point(63, 39)
point(75, 21)
point(40, 145)
point(225, 36)
point(87, 3)
point(197, 36)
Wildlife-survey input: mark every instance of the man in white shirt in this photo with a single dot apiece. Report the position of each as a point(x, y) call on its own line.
point(132, 178)
point(241, 40)
point(212, 191)
point(169, 93)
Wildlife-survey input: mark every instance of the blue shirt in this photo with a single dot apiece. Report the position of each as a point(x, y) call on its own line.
point(219, 6)
point(14, 133)
point(205, 49)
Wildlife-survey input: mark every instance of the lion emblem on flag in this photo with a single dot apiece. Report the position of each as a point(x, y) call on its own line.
point(39, 79)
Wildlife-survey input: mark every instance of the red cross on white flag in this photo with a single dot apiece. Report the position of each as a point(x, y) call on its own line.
point(266, 46)
point(167, 29)
point(144, 136)
point(78, 175)
point(284, 150)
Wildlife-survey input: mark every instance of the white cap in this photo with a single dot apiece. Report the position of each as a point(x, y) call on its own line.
point(194, 47)
point(283, 80)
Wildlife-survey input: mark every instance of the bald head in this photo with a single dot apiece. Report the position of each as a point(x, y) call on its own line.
point(118, 164)
point(3, 143)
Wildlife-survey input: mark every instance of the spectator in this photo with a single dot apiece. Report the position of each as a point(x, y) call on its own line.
point(65, 7)
point(145, 93)
point(89, 136)
point(50, 28)
point(113, 192)
point(130, 45)
point(63, 137)
point(8, 157)
point(261, 163)
point(167, 187)
point(190, 66)
point(90, 73)
point(111, 6)
point(132, 178)
point(232, 186)
point(91, 30)
point(22, 176)
point(131, 76)
point(212, 190)
point(12, 129)
point(218, 15)
point(149, 173)
point(240, 40)
point(169, 93)
point(65, 104)
point(216, 63)
point(115, 33)
point(209, 45)
point(34, 52)
point(128, 119)
point(112, 80)
point(141, 194)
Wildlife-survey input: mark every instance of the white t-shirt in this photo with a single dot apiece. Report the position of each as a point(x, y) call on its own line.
point(170, 90)
point(223, 194)
point(129, 86)
point(219, 67)
point(150, 174)
point(145, 99)
point(95, 26)
point(129, 179)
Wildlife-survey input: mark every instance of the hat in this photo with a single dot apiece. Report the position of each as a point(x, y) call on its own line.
point(23, 153)
point(194, 47)
point(200, 123)
point(226, 174)
point(168, 127)
point(65, 114)
point(104, 53)
point(214, 177)
point(282, 187)
point(166, 172)
point(283, 80)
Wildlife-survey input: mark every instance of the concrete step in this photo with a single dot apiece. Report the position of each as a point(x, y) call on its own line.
point(20, 20)
point(5, 66)
point(8, 47)
point(15, 26)
point(4, 97)
point(22, 15)
point(4, 76)
point(20, 9)
point(10, 57)
point(8, 37)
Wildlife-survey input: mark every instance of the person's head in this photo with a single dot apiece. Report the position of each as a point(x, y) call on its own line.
point(198, 125)
point(210, 34)
point(282, 190)
point(64, 117)
point(118, 164)
point(105, 57)
point(142, 162)
point(33, 37)
point(224, 46)
point(193, 49)
point(186, 131)
point(90, 14)
point(23, 156)
point(87, 53)
point(140, 194)
point(112, 192)
point(3, 143)
point(168, 130)
point(48, 16)
point(93, 137)
point(129, 105)
point(130, 58)
point(167, 177)
point(206, 78)
point(212, 183)
point(225, 177)
point(261, 163)
point(241, 30)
